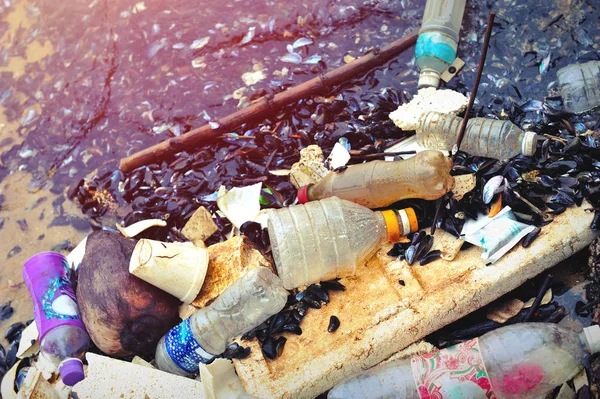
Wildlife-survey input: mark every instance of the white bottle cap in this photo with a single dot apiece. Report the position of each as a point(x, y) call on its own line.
point(529, 144)
point(592, 337)
point(429, 78)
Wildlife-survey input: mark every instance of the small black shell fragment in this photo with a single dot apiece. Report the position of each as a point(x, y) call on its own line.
point(596, 222)
point(273, 348)
point(430, 257)
point(14, 331)
point(236, 351)
point(333, 285)
point(529, 238)
point(402, 283)
point(410, 254)
point(319, 292)
point(334, 324)
point(6, 310)
point(293, 328)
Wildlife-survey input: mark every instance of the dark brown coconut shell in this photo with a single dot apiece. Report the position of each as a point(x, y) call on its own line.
point(123, 314)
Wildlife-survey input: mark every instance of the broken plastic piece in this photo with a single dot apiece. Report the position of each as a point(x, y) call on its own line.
point(136, 228)
point(240, 204)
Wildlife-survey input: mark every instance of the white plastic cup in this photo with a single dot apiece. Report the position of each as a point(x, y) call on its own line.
point(176, 268)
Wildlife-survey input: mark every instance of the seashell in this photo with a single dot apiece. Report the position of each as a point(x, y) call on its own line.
point(136, 228)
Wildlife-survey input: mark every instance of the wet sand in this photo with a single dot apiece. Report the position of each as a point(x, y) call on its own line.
point(24, 201)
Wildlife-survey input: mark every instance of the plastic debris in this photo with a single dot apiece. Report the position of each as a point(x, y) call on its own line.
point(29, 344)
point(240, 204)
point(309, 169)
point(139, 227)
point(220, 380)
point(339, 157)
point(501, 312)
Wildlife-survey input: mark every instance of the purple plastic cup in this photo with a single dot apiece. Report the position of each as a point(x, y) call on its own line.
point(54, 302)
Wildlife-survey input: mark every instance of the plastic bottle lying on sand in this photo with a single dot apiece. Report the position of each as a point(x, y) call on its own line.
point(377, 184)
point(325, 239)
point(63, 337)
point(438, 39)
point(483, 137)
point(521, 361)
point(580, 86)
point(249, 301)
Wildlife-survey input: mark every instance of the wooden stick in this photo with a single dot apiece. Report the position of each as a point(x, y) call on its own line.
point(463, 126)
point(267, 105)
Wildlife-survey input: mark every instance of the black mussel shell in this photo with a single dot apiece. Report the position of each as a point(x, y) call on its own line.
point(334, 285)
point(14, 331)
point(596, 221)
point(529, 238)
point(430, 257)
point(236, 351)
point(292, 328)
point(334, 324)
point(410, 254)
point(424, 247)
point(319, 292)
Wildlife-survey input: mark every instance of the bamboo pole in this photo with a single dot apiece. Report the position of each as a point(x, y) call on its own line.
point(267, 105)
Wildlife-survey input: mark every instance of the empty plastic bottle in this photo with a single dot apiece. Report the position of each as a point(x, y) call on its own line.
point(438, 39)
point(325, 239)
point(483, 137)
point(379, 183)
point(249, 301)
point(63, 337)
point(520, 361)
point(580, 86)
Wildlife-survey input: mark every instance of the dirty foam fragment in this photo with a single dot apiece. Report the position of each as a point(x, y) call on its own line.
point(407, 116)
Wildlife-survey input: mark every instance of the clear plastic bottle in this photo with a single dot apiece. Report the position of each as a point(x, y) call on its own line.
point(63, 338)
point(249, 301)
point(325, 239)
point(483, 137)
point(580, 86)
point(438, 39)
point(520, 361)
point(379, 183)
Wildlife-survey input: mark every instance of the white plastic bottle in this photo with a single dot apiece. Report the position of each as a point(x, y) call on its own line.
point(580, 86)
point(325, 239)
point(521, 361)
point(438, 39)
point(483, 137)
point(249, 301)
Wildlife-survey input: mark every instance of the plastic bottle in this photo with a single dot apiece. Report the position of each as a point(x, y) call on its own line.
point(438, 39)
point(483, 137)
point(520, 361)
point(580, 86)
point(63, 338)
point(379, 183)
point(325, 239)
point(249, 301)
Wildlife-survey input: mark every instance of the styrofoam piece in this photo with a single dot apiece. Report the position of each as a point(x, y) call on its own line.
point(29, 343)
point(110, 378)
point(220, 380)
point(379, 316)
point(339, 156)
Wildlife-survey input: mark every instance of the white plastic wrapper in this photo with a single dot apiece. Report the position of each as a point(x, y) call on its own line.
point(496, 235)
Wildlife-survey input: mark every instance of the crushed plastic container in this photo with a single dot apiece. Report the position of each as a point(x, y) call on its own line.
point(580, 86)
point(438, 39)
point(483, 137)
point(521, 361)
point(378, 184)
point(63, 337)
point(249, 301)
point(329, 238)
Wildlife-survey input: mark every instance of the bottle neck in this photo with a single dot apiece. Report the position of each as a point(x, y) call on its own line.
point(399, 223)
point(590, 337)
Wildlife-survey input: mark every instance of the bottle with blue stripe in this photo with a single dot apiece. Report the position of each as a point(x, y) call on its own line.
point(438, 39)
point(248, 302)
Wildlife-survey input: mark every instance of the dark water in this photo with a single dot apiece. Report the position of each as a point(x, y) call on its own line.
point(127, 74)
